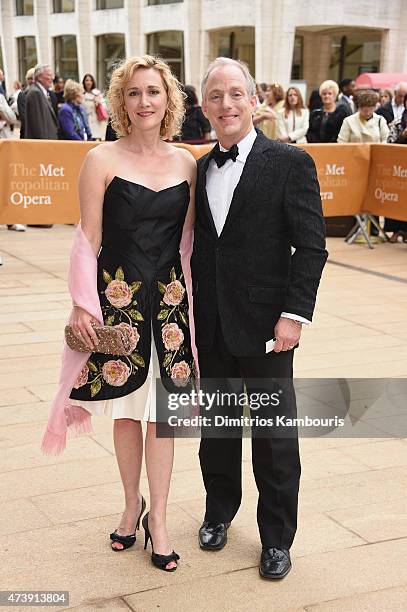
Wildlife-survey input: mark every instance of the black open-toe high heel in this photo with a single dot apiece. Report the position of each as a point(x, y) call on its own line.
point(128, 540)
point(160, 561)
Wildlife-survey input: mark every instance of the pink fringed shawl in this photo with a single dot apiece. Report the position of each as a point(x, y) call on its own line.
point(82, 283)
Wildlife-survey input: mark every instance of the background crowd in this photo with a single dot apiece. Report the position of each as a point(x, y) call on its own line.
point(48, 107)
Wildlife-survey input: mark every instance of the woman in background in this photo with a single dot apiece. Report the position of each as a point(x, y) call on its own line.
point(385, 96)
point(325, 123)
point(266, 115)
point(293, 121)
point(93, 99)
point(315, 100)
point(364, 125)
point(72, 116)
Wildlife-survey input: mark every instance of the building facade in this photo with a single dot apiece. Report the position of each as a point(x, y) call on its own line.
point(281, 40)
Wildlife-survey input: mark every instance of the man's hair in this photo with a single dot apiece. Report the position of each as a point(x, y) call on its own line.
point(343, 83)
point(29, 74)
point(219, 62)
point(401, 85)
point(39, 69)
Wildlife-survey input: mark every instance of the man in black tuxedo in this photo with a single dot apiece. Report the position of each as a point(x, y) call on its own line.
point(256, 198)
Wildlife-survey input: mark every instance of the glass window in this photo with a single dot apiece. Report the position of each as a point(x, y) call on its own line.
point(110, 49)
point(109, 4)
point(66, 57)
point(170, 46)
point(63, 6)
point(238, 43)
point(24, 7)
point(27, 55)
point(353, 53)
point(297, 65)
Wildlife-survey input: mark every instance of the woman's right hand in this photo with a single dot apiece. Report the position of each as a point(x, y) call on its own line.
point(82, 325)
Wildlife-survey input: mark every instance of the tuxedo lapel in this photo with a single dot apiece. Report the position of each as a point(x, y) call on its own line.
point(203, 196)
point(250, 177)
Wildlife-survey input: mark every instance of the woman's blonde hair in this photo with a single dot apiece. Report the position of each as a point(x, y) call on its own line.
point(174, 114)
point(329, 85)
point(71, 90)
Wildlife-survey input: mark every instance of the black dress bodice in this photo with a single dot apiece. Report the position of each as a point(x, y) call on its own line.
point(141, 284)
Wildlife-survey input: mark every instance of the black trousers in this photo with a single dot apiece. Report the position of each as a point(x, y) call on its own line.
point(275, 459)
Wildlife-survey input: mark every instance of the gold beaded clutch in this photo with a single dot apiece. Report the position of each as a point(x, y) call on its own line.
point(112, 340)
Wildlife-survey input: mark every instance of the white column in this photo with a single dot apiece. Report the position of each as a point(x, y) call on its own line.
point(8, 44)
point(45, 52)
point(192, 42)
point(274, 40)
point(317, 57)
point(133, 35)
point(84, 39)
point(393, 48)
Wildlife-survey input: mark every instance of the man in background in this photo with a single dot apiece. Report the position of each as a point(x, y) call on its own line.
point(347, 89)
point(41, 121)
point(21, 100)
point(393, 110)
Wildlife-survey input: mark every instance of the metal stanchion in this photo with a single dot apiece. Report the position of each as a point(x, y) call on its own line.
point(361, 229)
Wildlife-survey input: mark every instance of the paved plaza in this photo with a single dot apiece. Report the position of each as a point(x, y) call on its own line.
point(350, 552)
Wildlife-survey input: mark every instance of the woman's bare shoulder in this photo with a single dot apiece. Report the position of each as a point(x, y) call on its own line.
point(103, 150)
point(185, 156)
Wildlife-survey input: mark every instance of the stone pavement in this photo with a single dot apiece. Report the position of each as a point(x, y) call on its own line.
point(350, 553)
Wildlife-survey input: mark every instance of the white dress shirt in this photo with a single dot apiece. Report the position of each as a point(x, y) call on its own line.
point(220, 186)
point(397, 110)
point(44, 91)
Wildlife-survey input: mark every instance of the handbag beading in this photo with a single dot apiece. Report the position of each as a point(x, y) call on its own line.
point(112, 340)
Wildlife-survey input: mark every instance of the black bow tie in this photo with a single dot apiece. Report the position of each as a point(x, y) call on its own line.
point(221, 157)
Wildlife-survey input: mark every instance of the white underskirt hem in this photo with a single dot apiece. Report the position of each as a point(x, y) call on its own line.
point(139, 405)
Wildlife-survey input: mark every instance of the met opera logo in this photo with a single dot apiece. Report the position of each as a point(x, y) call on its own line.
point(26, 181)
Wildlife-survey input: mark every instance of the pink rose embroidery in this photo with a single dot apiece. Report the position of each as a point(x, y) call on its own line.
point(82, 378)
point(118, 293)
point(134, 335)
point(180, 373)
point(174, 293)
point(172, 336)
point(115, 373)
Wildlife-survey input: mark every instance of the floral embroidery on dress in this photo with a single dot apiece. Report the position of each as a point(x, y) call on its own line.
point(173, 313)
point(122, 302)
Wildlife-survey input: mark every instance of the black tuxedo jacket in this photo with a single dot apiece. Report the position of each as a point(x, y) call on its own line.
point(40, 118)
point(248, 274)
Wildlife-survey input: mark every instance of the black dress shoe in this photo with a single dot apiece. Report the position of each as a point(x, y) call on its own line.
point(213, 536)
point(275, 563)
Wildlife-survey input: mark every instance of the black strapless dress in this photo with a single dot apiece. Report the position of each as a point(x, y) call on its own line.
point(141, 285)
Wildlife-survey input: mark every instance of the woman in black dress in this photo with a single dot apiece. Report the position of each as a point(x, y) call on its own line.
point(136, 197)
point(325, 123)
